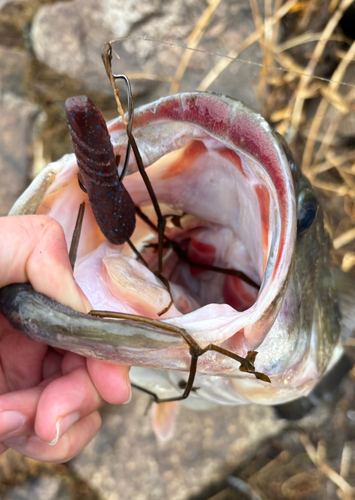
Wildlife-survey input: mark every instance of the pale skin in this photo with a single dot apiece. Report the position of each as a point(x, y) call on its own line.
point(49, 400)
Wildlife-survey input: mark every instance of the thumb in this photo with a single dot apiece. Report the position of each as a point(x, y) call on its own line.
point(33, 249)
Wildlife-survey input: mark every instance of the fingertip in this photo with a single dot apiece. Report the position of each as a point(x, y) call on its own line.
point(68, 446)
point(18, 412)
point(48, 267)
point(72, 361)
point(73, 393)
point(43, 260)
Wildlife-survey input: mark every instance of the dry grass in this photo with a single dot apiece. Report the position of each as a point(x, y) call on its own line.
point(308, 104)
point(305, 101)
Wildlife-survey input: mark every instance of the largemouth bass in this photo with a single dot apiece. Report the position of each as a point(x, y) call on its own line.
point(242, 203)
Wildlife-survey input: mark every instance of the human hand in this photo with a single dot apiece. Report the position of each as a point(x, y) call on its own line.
point(48, 397)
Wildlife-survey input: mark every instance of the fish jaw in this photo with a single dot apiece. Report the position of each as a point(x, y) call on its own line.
point(225, 127)
point(192, 144)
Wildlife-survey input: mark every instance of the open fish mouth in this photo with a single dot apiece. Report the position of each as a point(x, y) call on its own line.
point(224, 183)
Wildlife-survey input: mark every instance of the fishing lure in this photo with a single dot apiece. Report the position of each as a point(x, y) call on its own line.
point(111, 203)
point(114, 209)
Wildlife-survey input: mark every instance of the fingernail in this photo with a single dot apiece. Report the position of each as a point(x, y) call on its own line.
point(63, 424)
point(10, 421)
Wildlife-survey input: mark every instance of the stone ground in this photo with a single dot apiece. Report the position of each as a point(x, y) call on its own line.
point(125, 460)
point(212, 456)
point(17, 117)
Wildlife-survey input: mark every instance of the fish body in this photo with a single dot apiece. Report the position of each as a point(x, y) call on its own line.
point(243, 204)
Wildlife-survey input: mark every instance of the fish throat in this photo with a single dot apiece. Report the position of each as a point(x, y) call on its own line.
point(220, 210)
point(226, 197)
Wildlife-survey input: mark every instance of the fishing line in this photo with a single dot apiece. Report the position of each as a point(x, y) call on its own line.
point(226, 56)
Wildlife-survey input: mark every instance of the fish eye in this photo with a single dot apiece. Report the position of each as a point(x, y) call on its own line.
point(307, 212)
point(306, 215)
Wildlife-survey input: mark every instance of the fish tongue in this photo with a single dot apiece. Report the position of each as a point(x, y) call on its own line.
point(132, 282)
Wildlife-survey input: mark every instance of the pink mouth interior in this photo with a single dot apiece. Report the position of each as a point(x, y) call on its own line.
point(225, 202)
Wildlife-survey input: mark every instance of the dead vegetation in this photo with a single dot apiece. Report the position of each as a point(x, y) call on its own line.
point(306, 90)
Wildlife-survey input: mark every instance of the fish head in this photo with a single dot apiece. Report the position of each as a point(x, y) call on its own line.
point(234, 199)
point(303, 341)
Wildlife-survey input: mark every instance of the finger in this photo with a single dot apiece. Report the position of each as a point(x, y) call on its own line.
point(71, 443)
point(43, 259)
point(52, 363)
point(65, 401)
point(20, 359)
point(18, 412)
point(71, 362)
point(111, 381)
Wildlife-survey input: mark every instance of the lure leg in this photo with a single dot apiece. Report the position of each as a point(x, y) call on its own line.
point(246, 364)
point(76, 235)
point(162, 278)
point(180, 252)
point(161, 219)
point(107, 59)
point(188, 388)
point(138, 254)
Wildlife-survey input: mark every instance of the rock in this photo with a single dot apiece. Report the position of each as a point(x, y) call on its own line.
point(16, 120)
point(13, 66)
point(4, 3)
point(84, 25)
point(125, 461)
point(17, 116)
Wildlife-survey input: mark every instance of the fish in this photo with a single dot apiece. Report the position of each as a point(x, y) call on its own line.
point(242, 203)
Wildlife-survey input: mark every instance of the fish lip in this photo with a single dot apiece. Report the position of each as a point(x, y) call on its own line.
point(236, 126)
